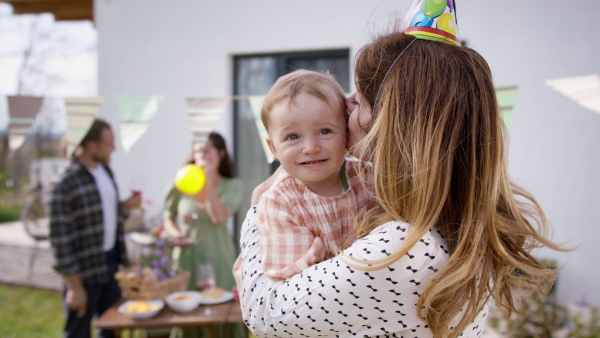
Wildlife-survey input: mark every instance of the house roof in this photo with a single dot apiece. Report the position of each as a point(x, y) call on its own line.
point(61, 9)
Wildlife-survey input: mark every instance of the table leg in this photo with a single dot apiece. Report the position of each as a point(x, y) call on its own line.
point(213, 332)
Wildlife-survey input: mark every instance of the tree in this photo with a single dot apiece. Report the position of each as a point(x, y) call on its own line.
point(44, 58)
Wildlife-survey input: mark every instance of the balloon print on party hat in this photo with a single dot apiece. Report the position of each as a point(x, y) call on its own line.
point(433, 20)
point(190, 179)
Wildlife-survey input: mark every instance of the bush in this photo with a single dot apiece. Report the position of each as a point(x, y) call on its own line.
point(543, 317)
point(9, 213)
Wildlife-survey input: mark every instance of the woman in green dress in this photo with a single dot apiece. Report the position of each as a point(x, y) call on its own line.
point(197, 224)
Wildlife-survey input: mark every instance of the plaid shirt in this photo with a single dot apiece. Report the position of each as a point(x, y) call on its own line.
point(299, 228)
point(76, 226)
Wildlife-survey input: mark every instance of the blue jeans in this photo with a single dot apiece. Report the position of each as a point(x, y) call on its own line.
point(100, 298)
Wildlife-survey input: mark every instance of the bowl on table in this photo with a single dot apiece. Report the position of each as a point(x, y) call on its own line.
point(141, 309)
point(184, 301)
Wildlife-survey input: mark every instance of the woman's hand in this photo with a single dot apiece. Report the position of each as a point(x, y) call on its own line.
point(181, 241)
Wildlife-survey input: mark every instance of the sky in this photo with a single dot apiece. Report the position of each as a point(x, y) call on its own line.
point(67, 53)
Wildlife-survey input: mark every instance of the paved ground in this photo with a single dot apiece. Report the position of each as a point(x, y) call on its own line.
point(16, 251)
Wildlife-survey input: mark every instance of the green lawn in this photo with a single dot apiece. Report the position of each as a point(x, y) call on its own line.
point(28, 312)
point(9, 212)
point(34, 313)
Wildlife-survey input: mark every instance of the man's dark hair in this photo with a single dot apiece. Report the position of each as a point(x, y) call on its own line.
point(95, 132)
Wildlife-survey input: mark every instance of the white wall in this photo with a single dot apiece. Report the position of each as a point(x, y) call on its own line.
point(185, 47)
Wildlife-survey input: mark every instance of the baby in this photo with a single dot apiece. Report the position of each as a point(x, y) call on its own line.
point(308, 213)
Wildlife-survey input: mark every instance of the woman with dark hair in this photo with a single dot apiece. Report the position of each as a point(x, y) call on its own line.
point(198, 224)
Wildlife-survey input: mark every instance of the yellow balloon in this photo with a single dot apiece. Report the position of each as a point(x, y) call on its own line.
point(190, 179)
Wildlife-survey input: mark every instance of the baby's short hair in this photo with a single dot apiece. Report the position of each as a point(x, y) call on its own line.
point(313, 83)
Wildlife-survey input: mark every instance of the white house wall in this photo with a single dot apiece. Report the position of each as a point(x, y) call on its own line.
point(184, 48)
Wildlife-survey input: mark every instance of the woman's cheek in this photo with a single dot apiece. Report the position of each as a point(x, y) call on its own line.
point(355, 132)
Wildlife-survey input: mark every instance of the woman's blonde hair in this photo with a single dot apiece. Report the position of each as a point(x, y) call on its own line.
point(436, 141)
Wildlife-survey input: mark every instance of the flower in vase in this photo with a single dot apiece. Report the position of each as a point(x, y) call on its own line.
point(159, 260)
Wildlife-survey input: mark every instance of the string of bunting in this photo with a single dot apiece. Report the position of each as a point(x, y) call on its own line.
point(136, 113)
point(22, 112)
point(80, 113)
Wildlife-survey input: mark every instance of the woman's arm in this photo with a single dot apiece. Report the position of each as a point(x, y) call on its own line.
point(220, 206)
point(332, 298)
point(169, 224)
point(171, 228)
point(215, 208)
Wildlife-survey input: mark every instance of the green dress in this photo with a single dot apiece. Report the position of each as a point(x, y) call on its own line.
point(213, 243)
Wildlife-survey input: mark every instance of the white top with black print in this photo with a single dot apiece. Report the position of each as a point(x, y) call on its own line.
point(331, 299)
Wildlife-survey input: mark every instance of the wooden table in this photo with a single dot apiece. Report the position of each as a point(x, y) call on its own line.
point(222, 313)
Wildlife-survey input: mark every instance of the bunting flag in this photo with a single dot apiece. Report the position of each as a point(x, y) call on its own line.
point(585, 90)
point(22, 111)
point(80, 116)
point(256, 103)
point(203, 114)
point(506, 97)
point(135, 114)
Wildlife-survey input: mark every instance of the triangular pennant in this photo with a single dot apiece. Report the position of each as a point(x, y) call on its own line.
point(4, 117)
point(506, 97)
point(22, 111)
point(585, 90)
point(203, 114)
point(256, 103)
point(135, 114)
point(80, 116)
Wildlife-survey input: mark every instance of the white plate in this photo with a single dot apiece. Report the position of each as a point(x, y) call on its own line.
point(227, 296)
point(141, 238)
point(142, 315)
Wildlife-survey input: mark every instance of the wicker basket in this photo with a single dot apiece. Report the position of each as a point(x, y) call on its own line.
point(146, 286)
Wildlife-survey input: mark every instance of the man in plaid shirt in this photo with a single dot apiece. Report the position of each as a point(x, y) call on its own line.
point(86, 231)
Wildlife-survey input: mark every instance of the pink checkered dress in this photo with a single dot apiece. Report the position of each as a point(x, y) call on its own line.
point(299, 228)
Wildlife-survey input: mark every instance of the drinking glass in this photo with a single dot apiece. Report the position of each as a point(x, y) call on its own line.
point(136, 184)
point(205, 279)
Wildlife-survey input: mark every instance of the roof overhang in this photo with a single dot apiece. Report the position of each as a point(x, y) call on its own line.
point(61, 9)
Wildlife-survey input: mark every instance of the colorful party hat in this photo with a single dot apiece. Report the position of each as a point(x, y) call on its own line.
point(433, 20)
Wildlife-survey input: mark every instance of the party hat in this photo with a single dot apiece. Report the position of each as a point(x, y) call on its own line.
point(433, 20)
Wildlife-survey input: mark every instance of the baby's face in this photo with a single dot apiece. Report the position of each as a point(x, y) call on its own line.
point(308, 137)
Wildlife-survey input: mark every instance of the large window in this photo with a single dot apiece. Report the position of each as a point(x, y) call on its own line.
point(254, 75)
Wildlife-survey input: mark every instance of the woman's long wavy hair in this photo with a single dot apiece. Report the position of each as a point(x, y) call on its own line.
point(436, 141)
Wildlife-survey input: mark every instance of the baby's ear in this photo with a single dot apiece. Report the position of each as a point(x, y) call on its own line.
point(272, 147)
